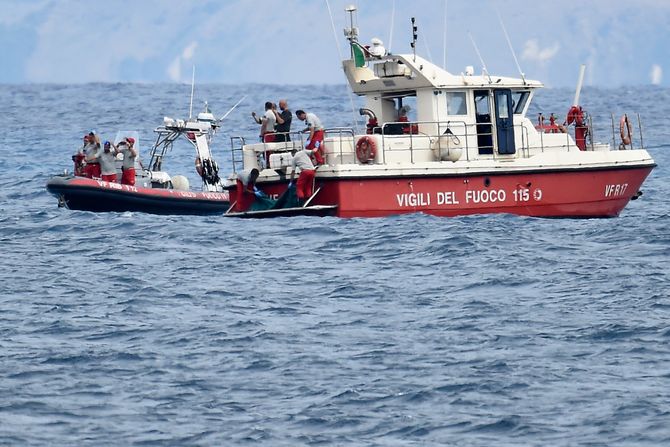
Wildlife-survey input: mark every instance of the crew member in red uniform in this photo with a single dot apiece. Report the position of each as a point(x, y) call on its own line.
point(246, 191)
point(78, 159)
point(576, 115)
point(315, 139)
point(302, 160)
point(107, 160)
point(91, 151)
point(127, 148)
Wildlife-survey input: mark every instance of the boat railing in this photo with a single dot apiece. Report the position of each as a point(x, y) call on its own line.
point(342, 135)
point(621, 145)
point(446, 136)
point(451, 134)
point(430, 141)
point(570, 143)
point(434, 140)
point(237, 155)
point(285, 142)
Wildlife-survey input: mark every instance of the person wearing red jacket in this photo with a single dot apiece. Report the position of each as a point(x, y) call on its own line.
point(246, 191)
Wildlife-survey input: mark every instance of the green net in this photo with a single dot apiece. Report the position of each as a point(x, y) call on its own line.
point(288, 199)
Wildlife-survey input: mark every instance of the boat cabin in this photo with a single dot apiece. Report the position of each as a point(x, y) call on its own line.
point(481, 113)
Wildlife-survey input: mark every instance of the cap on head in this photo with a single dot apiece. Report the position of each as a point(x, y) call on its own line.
point(299, 112)
point(130, 140)
point(107, 143)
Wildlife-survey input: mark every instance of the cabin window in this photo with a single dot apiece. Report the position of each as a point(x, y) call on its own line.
point(503, 112)
point(456, 104)
point(400, 108)
point(519, 101)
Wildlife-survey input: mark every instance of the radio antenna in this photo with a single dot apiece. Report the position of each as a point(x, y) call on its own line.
point(509, 43)
point(232, 108)
point(190, 108)
point(444, 38)
point(481, 59)
point(352, 34)
point(392, 21)
point(580, 81)
point(414, 36)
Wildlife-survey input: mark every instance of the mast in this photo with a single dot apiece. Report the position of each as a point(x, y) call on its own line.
point(414, 36)
point(580, 81)
point(190, 108)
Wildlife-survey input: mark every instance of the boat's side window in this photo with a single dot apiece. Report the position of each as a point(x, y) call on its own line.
point(456, 104)
point(519, 101)
point(501, 101)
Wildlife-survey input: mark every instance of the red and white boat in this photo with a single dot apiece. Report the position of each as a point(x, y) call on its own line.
point(470, 148)
point(155, 191)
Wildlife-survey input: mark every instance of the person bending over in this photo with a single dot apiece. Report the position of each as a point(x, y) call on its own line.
point(315, 129)
point(304, 187)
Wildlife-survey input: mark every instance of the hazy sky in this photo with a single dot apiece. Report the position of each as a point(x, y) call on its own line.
point(292, 41)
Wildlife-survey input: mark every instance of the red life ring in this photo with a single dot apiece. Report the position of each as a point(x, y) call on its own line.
point(576, 115)
point(366, 149)
point(625, 129)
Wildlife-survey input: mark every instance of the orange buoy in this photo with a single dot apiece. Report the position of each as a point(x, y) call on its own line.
point(626, 130)
point(366, 149)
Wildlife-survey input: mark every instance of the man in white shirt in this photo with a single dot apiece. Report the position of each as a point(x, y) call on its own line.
point(267, 122)
point(302, 160)
point(127, 148)
point(91, 152)
point(315, 129)
point(107, 160)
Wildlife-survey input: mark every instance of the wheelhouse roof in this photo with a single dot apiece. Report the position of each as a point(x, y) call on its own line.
point(409, 72)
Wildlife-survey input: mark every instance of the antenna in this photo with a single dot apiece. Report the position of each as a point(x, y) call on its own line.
point(509, 43)
point(232, 108)
point(444, 38)
point(332, 24)
point(351, 34)
point(480, 57)
point(580, 80)
point(414, 36)
point(392, 20)
point(190, 108)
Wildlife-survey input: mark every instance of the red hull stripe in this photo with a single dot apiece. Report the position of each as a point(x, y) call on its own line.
point(80, 183)
point(575, 193)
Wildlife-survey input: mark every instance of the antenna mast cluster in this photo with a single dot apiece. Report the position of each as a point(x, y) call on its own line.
point(414, 36)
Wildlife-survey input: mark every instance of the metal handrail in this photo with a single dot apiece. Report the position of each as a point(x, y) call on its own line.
point(339, 131)
point(465, 132)
point(239, 149)
point(639, 126)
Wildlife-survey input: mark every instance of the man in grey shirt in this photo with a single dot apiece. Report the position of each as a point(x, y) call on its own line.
point(107, 160)
point(302, 160)
point(127, 148)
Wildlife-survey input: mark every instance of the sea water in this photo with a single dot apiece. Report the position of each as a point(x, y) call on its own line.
point(134, 329)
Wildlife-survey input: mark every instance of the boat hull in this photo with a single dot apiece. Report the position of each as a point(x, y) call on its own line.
point(80, 193)
point(316, 210)
point(577, 193)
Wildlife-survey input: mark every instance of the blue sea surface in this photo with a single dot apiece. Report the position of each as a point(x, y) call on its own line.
point(492, 330)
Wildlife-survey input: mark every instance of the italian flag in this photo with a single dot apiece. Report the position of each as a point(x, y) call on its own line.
point(359, 54)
